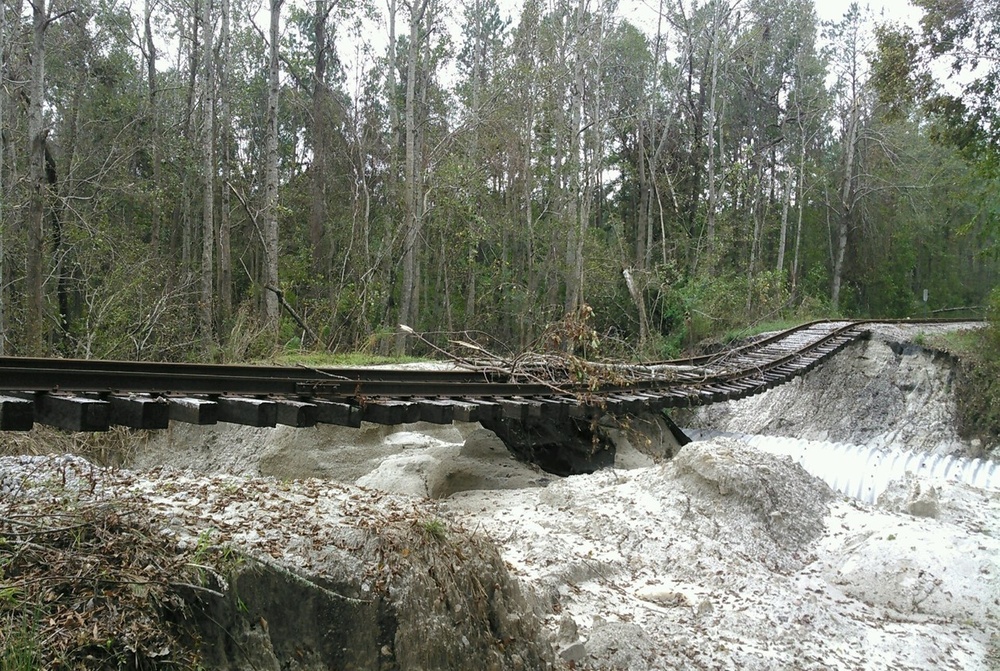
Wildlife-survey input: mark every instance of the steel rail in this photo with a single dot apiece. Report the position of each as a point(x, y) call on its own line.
point(244, 370)
point(702, 359)
point(120, 377)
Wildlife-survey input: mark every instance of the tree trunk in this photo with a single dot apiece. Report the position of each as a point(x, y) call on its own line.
point(190, 133)
point(320, 132)
point(207, 304)
point(801, 207)
point(473, 158)
point(847, 188)
point(526, 190)
point(784, 221)
point(61, 192)
point(636, 293)
point(642, 225)
point(758, 209)
point(272, 307)
point(3, 189)
point(154, 136)
point(391, 93)
point(224, 262)
point(36, 207)
point(576, 219)
point(412, 220)
point(712, 122)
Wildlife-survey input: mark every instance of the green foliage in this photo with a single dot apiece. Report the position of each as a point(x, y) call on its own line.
point(896, 83)
point(20, 645)
point(978, 384)
point(735, 98)
point(328, 359)
point(710, 307)
point(966, 36)
point(434, 528)
point(131, 311)
point(246, 336)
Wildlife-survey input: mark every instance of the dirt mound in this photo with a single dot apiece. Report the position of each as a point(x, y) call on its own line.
point(761, 492)
point(728, 558)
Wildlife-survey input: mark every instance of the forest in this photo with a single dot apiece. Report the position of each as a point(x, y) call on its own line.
point(222, 179)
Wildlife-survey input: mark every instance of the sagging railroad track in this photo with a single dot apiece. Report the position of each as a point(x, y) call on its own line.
point(92, 395)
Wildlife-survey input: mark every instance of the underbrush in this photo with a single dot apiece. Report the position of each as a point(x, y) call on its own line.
point(325, 359)
point(977, 384)
point(110, 448)
point(977, 389)
point(88, 585)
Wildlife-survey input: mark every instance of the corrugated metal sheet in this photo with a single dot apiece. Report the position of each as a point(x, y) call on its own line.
point(864, 472)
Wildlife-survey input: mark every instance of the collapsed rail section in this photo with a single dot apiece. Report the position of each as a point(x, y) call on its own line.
point(548, 419)
point(86, 395)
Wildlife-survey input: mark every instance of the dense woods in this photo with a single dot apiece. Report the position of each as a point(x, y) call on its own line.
point(211, 179)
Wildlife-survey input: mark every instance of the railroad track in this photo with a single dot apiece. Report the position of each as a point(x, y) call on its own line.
point(88, 395)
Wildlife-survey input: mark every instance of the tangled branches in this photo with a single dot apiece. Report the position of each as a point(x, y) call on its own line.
point(565, 358)
point(88, 585)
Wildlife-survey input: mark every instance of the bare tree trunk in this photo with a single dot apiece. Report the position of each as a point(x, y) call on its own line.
point(846, 202)
point(798, 226)
point(576, 221)
point(224, 263)
point(391, 85)
point(149, 48)
point(61, 191)
point(757, 214)
point(642, 216)
point(3, 187)
point(640, 304)
point(758, 228)
point(272, 307)
point(207, 304)
point(413, 198)
point(320, 113)
point(187, 223)
point(36, 208)
point(784, 220)
point(712, 122)
point(473, 158)
point(526, 190)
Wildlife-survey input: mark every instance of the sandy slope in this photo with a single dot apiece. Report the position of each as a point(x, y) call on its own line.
point(882, 392)
point(728, 558)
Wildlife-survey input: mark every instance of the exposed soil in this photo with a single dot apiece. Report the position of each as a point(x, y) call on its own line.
point(883, 392)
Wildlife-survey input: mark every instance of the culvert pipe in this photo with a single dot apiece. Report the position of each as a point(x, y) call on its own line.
point(863, 472)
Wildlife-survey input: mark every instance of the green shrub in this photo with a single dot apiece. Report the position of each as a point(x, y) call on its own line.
point(978, 384)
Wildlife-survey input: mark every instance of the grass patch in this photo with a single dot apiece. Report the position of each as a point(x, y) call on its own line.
point(960, 344)
point(977, 382)
point(20, 647)
point(434, 528)
point(759, 328)
point(327, 360)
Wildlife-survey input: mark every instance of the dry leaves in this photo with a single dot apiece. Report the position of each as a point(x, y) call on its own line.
point(86, 584)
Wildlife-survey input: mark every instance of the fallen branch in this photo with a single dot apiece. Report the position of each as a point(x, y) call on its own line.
point(298, 320)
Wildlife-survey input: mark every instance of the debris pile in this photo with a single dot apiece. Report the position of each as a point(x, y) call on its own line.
point(111, 568)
